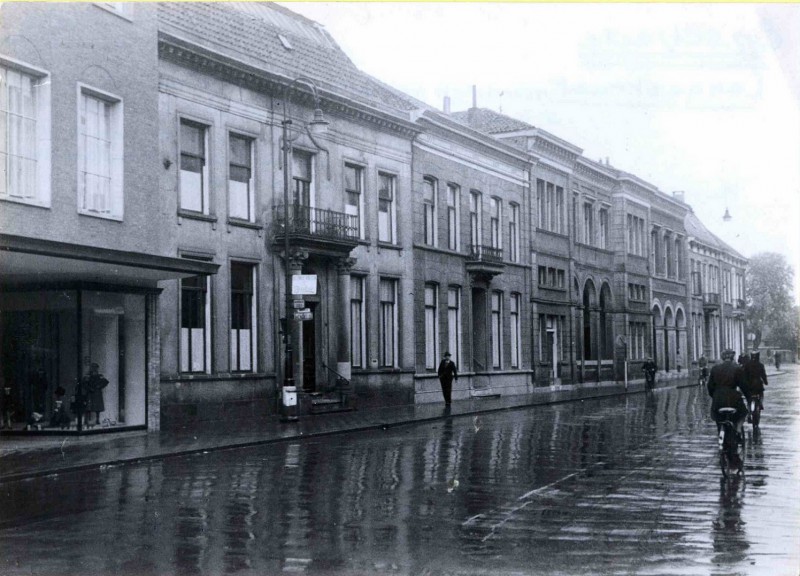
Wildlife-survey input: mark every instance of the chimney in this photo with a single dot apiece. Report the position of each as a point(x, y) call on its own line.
point(607, 162)
point(474, 96)
point(679, 195)
point(446, 107)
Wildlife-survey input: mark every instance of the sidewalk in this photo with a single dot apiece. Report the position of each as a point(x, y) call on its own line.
point(28, 457)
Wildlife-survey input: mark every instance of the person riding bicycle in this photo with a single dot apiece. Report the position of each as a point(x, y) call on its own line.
point(726, 385)
point(702, 363)
point(755, 376)
point(649, 367)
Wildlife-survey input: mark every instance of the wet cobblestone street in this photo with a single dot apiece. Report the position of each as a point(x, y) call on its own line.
point(623, 485)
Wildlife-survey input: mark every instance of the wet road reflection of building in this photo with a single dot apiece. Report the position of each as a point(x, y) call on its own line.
point(581, 488)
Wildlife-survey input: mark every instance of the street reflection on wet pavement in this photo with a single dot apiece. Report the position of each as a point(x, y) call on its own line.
point(624, 485)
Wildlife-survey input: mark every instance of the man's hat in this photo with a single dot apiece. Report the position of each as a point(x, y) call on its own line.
point(447, 354)
point(728, 353)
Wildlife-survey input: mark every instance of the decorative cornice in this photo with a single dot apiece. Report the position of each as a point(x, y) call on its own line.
point(186, 53)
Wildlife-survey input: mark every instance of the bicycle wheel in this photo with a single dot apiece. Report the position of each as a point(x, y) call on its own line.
point(756, 416)
point(724, 464)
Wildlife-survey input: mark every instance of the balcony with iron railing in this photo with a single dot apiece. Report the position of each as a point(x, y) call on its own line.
point(316, 229)
point(485, 260)
point(711, 300)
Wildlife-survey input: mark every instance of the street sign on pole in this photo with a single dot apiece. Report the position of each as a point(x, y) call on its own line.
point(304, 314)
point(298, 303)
point(304, 284)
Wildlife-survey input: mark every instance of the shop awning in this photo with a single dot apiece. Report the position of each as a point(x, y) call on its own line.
point(25, 260)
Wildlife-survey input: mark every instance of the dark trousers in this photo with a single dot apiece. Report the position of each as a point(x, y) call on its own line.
point(447, 388)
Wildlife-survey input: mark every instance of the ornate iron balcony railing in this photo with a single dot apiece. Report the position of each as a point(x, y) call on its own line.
point(317, 222)
point(485, 253)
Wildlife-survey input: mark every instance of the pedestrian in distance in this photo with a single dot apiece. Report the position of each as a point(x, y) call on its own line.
point(702, 363)
point(649, 367)
point(777, 360)
point(448, 371)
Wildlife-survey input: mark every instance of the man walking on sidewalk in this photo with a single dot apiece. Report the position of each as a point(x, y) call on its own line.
point(448, 371)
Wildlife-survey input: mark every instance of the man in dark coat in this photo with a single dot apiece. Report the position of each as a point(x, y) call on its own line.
point(448, 371)
point(725, 386)
point(755, 378)
point(649, 367)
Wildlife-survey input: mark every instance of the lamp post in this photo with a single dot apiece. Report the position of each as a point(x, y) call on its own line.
point(318, 125)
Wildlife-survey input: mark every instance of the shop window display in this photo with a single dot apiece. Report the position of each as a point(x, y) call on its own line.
point(72, 360)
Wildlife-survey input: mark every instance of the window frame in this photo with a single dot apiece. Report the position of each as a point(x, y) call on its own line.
point(383, 362)
point(429, 228)
point(361, 329)
point(205, 172)
point(41, 190)
point(116, 153)
point(454, 330)
point(453, 216)
point(496, 222)
point(431, 323)
point(392, 213)
point(515, 315)
point(496, 327)
point(251, 182)
point(361, 184)
point(513, 232)
point(207, 324)
point(253, 311)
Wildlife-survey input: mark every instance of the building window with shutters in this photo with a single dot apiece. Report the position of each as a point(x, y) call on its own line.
point(353, 188)
point(243, 340)
point(100, 154)
point(454, 323)
point(431, 325)
point(514, 318)
point(386, 207)
point(429, 209)
point(24, 134)
point(241, 188)
point(357, 323)
point(194, 179)
point(195, 336)
point(497, 329)
point(513, 233)
point(496, 231)
point(452, 216)
point(388, 323)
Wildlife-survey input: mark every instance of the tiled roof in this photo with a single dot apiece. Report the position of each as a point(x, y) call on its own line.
point(697, 229)
point(252, 37)
point(489, 121)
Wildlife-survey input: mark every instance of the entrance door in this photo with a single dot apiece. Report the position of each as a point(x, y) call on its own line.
point(310, 353)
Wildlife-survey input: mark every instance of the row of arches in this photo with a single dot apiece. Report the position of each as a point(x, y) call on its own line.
point(669, 327)
point(597, 325)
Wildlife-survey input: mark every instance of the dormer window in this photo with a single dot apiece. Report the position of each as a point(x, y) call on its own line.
point(285, 41)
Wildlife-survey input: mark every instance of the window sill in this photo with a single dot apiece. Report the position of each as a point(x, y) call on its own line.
point(389, 246)
point(551, 233)
point(244, 224)
point(99, 215)
point(555, 288)
point(197, 216)
point(24, 202)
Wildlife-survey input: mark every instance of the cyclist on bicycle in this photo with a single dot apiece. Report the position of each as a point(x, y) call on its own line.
point(726, 385)
point(755, 379)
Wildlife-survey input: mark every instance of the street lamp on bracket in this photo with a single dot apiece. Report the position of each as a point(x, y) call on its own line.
point(317, 126)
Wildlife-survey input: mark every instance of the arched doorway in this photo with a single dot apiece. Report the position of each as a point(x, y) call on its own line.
point(657, 335)
point(669, 322)
point(589, 302)
point(606, 323)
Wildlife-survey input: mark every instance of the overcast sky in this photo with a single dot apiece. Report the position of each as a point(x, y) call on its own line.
point(700, 98)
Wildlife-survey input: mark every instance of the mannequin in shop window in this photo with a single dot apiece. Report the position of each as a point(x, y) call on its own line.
point(93, 385)
point(6, 406)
